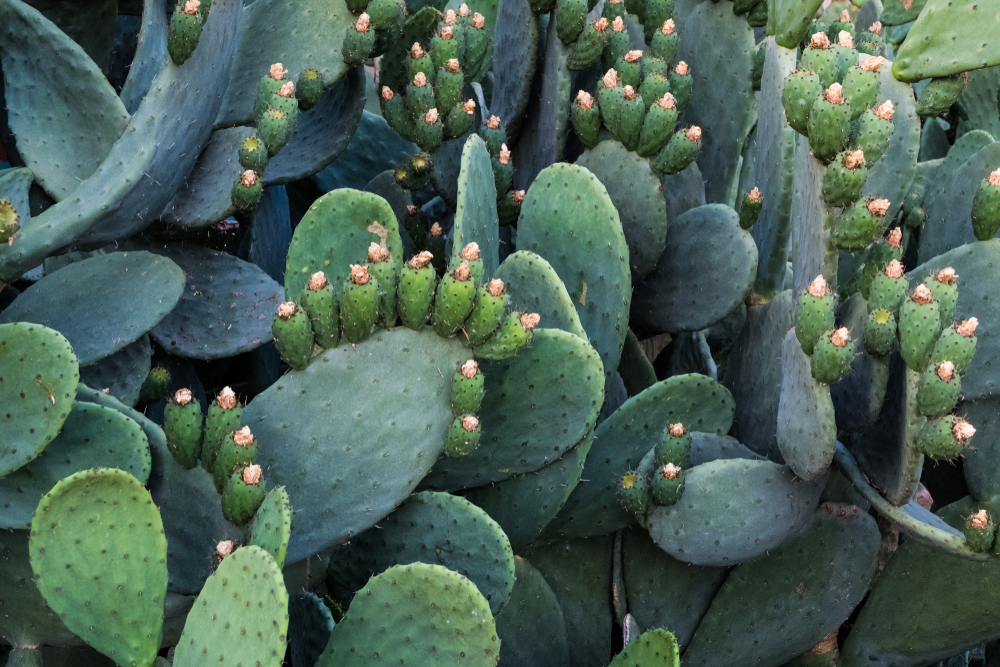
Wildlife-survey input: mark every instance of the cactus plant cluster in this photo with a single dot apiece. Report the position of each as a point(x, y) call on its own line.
point(531, 332)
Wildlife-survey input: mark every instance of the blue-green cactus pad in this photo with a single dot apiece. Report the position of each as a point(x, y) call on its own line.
point(540, 403)
point(525, 504)
point(14, 186)
point(309, 626)
point(733, 510)
point(807, 429)
point(434, 617)
point(270, 233)
point(620, 442)
point(40, 374)
point(271, 526)
point(374, 148)
point(568, 218)
point(438, 528)
point(979, 100)
point(928, 604)
point(533, 286)
point(150, 54)
point(122, 373)
point(140, 287)
point(92, 437)
point(515, 48)
point(100, 560)
point(948, 38)
point(754, 373)
point(858, 398)
point(351, 440)
point(706, 270)
point(784, 602)
point(65, 116)
point(476, 209)
point(306, 35)
point(637, 195)
point(240, 616)
point(532, 629)
point(334, 233)
point(226, 309)
point(664, 592)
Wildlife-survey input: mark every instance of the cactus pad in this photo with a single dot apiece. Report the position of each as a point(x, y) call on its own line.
point(534, 287)
point(110, 591)
point(532, 630)
point(272, 525)
point(476, 210)
point(807, 431)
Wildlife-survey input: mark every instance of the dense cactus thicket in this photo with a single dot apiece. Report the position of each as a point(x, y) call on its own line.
point(530, 333)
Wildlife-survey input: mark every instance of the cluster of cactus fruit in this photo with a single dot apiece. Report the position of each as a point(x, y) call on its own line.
point(530, 332)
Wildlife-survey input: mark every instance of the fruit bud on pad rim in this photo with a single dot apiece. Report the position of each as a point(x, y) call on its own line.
point(183, 397)
point(462, 273)
point(922, 295)
point(602, 25)
point(878, 206)
point(946, 276)
point(518, 197)
point(243, 437)
point(668, 27)
point(894, 269)
point(682, 68)
point(287, 310)
point(478, 21)
point(530, 320)
point(618, 25)
point(994, 178)
point(453, 66)
point(191, 7)
point(840, 337)
point(469, 369)
point(317, 281)
point(610, 78)
point(873, 64)
point(875, 28)
point(819, 41)
point(493, 123)
point(248, 178)
point(962, 430)
point(755, 196)
point(834, 94)
point(818, 287)
point(277, 72)
point(431, 117)
point(226, 398)
point(584, 99)
point(885, 111)
point(387, 93)
point(450, 18)
point(376, 253)
point(980, 519)
point(854, 159)
point(470, 423)
point(224, 548)
point(420, 260)
point(359, 274)
point(436, 230)
point(693, 133)
point(676, 430)
point(633, 56)
point(504, 155)
point(968, 327)
point(629, 93)
point(895, 238)
point(468, 106)
point(446, 32)
point(251, 474)
point(670, 471)
point(495, 287)
point(363, 22)
point(946, 371)
point(845, 39)
point(470, 252)
point(668, 101)
point(420, 80)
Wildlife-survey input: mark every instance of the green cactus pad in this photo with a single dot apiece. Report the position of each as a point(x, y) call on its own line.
point(534, 287)
point(272, 525)
point(433, 528)
point(293, 338)
point(61, 149)
point(636, 193)
point(291, 413)
point(335, 234)
point(41, 376)
point(653, 648)
point(144, 289)
point(588, 46)
point(559, 215)
point(621, 441)
point(123, 373)
point(722, 271)
point(533, 629)
point(110, 591)
point(440, 614)
point(807, 431)
point(541, 403)
point(241, 615)
point(823, 574)
point(92, 437)
point(733, 510)
point(475, 213)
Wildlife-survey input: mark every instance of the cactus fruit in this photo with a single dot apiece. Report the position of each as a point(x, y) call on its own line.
point(459, 119)
point(940, 93)
point(750, 208)
point(630, 121)
point(945, 292)
point(858, 225)
point(874, 131)
point(384, 271)
point(155, 384)
point(309, 88)
point(634, 492)
point(448, 85)
point(844, 179)
point(503, 170)
point(509, 206)
point(664, 42)
point(655, 14)
point(679, 153)
point(463, 436)
point(237, 451)
point(829, 124)
point(919, 325)
point(513, 334)
point(419, 98)
point(832, 356)
point(820, 58)
point(939, 390)
point(470, 255)
point(491, 302)
point(674, 447)
point(493, 134)
point(419, 61)
point(814, 315)
point(617, 46)
point(629, 68)
point(888, 289)
point(979, 531)
point(253, 154)
point(275, 128)
point(243, 495)
point(985, 207)
point(429, 131)
point(269, 85)
point(957, 344)
point(571, 16)
point(322, 305)
point(384, 13)
point(944, 438)
point(225, 416)
point(182, 425)
point(293, 335)
point(184, 31)
point(802, 89)
point(455, 299)
point(396, 112)
point(667, 485)
point(681, 85)
point(880, 332)
point(247, 190)
point(9, 222)
point(586, 119)
point(444, 45)
point(416, 291)
point(862, 85)
point(613, 9)
point(654, 87)
point(658, 125)
point(359, 304)
point(358, 41)
point(467, 389)
point(590, 45)
point(879, 255)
